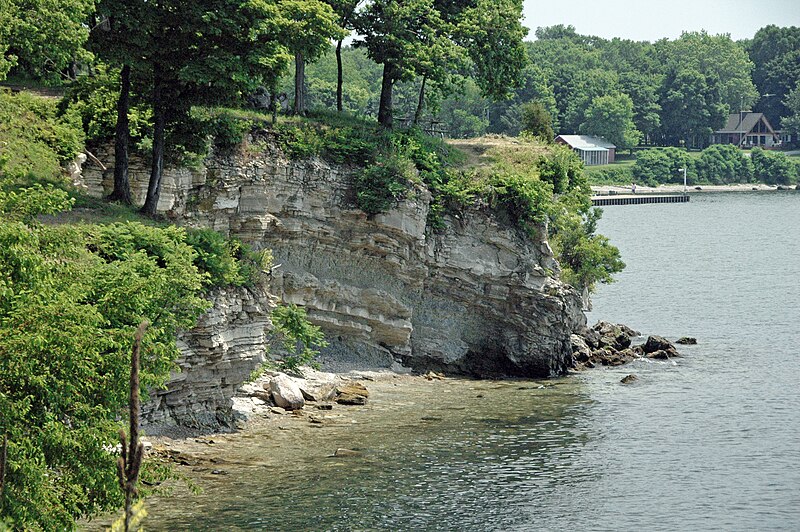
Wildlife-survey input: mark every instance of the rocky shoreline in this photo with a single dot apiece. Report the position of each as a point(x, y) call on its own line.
point(610, 344)
point(313, 393)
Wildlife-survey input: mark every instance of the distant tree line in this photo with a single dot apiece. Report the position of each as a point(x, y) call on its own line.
point(461, 64)
point(669, 93)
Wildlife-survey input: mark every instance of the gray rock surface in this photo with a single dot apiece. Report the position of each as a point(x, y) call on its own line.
point(476, 297)
point(216, 357)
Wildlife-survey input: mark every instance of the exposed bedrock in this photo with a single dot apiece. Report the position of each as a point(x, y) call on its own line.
point(477, 297)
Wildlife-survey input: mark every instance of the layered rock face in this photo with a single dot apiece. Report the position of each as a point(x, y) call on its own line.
point(477, 297)
point(216, 357)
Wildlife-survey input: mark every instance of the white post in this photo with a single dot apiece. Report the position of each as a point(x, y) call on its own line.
point(684, 180)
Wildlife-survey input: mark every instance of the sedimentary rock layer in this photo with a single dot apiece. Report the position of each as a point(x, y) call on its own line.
point(475, 297)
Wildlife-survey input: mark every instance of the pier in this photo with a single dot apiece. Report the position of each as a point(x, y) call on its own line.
point(637, 199)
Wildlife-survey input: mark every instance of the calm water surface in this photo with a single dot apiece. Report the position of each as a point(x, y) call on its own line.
point(711, 442)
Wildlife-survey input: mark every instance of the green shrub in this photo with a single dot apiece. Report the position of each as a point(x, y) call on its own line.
point(662, 165)
point(301, 339)
point(70, 299)
point(562, 168)
point(381, 185)
point(586, 258)
point(773, 168)
point(611, 175)
point(724, 163)
point(34, 140)
point(525, 200)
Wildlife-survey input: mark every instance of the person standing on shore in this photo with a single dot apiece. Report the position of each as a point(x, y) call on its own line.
point(633, 188)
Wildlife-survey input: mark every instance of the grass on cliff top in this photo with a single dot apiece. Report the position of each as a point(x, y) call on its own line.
point(486, 151)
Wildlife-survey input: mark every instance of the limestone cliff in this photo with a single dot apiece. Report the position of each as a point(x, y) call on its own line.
point(216, 357)
point(476, 297)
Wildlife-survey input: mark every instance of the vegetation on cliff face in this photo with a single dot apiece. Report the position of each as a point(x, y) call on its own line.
point(71, 296)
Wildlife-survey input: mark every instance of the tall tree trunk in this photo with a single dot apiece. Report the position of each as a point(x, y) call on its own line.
point(420, 102)
point(122, 187)
point(273, 106)
point(339, 77)
point(299, 84)
point(157, 169)
point(385, 109)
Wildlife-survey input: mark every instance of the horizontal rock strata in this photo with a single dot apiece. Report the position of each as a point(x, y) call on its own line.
point(477, 297)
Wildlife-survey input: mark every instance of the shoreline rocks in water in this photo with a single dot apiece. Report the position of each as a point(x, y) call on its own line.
point(611, 344)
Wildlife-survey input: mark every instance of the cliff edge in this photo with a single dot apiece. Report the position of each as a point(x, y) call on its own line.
point(476, 296)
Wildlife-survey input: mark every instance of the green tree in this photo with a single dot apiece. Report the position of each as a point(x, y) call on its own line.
point(611, 117)
point(403, 37)
point(692, 108)
point(573, 70)
point(346, 10)
point(7, 17)
point(308, 27)
point(537, 121)
point(220, 48)
point(643, 91)
point(586, 86)
point(773, 51)
point(718, 57)
point(48, 36)
point(492, 33)
point(791, 122)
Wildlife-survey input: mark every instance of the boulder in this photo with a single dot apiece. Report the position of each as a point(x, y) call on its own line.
point(615, 336)
point(316, 392)
point(687, 340)
point(286, 393)
point(656, 343)
point(591, 337)
point(580, 350)
point(627, 379)
point(661, 354)
point(352, 394)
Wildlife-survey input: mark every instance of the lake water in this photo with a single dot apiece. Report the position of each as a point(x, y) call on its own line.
point(710, 442)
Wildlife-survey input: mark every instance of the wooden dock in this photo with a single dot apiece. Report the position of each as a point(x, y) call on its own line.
point(638, 199)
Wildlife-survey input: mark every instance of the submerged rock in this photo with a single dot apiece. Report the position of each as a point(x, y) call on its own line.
point(687, 340)
point(346, 452)
point(627, 379)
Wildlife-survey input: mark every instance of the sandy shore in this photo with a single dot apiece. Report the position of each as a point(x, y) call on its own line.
point(678, 189)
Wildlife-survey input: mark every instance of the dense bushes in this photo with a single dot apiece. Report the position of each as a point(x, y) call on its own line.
point(610, 175)
point(773, 168)
point(70, 299)
point(34, 140)
point(662, 165)
point(723, 163)
point(718, 164)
